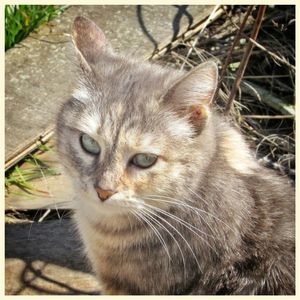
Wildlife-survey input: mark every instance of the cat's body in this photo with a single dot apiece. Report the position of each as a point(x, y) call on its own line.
point(202, 217)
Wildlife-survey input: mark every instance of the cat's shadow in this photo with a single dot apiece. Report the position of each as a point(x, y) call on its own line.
point(181, 12)
point(48, 259)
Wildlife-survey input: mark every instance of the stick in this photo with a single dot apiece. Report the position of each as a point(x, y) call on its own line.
point(266, 97)
point(276, 57)
point(211, 16)
point(246, 57)
point(229, 55)
point(268, 117)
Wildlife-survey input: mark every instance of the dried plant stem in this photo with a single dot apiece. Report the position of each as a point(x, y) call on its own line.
point(268, 98)
point(268, 117)
point(211, 16)
point(246, 56)
point(276, 57)
point(183, 58)
point(229, 55)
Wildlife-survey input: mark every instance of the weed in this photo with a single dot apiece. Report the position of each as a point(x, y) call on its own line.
point(20, 20)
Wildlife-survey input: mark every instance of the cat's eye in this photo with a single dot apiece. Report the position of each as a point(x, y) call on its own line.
point(144, 160)
point(89, 144)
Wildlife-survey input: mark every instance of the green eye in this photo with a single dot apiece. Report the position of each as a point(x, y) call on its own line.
point(89, 144)
point(144, 160)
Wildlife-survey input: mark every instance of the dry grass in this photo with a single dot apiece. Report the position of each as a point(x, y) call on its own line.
point(264, 104)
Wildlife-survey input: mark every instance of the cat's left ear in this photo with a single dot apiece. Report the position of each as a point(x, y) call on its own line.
point(193, 93)
point(89, 41)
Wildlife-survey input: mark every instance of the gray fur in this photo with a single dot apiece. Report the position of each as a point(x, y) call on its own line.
point(219, 223)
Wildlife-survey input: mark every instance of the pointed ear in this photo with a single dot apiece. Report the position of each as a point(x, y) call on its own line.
point(192, 94)
point(89, 41)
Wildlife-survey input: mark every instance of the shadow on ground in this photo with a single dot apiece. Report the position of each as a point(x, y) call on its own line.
point(46, 258)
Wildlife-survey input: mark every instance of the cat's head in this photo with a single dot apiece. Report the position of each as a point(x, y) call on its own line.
point(133, 134)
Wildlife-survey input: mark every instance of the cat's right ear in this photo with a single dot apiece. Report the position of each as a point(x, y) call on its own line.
point(89, 41)
point(192, 94)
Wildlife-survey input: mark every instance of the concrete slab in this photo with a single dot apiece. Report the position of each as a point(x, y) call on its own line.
point(39, 72)
point(46, 259)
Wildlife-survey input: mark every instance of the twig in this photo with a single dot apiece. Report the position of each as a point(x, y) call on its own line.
point(41, 219)
point(276, 57)
point(185, 36)
point(246, 56)
point(282, 60)
point(229, 55)
point(269, 99)
point(183, 58)
point(264, 76)
point(211, 16)
point(268, 117)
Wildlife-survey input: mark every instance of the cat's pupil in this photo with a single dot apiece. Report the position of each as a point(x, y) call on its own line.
point(144, 160)
point(89, 144)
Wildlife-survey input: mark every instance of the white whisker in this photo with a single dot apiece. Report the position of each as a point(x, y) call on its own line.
point(194, 193)
point(185, 224)
point(166, 229)
point(187, 243)
point(156, 232)
point(197, 209)
point(176, 217)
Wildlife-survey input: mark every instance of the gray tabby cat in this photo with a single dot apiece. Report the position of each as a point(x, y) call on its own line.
point(169, 199)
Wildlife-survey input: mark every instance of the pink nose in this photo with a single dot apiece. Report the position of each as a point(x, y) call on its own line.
point(104, 194)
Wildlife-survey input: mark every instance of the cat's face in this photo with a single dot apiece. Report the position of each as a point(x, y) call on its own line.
point(130, 134)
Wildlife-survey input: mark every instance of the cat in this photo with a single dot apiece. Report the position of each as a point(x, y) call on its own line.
point(169, 198)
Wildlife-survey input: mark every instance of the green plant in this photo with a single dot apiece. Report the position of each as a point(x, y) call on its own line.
point(36, 168)
point(20, 20)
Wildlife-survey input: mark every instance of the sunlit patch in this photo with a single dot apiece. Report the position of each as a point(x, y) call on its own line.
point(89, 124)
point(235, 155)
point(81, 94)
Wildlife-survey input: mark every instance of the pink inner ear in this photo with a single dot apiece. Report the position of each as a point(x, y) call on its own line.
point(197, 113)
point(88, 38)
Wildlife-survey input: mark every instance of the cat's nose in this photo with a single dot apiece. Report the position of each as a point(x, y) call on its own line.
point(104, 194)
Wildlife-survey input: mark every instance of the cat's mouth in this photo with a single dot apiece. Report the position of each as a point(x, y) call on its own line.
point(124, 200)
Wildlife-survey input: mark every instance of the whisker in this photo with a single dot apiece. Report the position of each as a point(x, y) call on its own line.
point(31, 224)
point(166, 197)
point(171, 235)
point(176, 217)
point(182, 205)
point(186, 224)
point(194, 193)
point(188, 245)
point(202, 211)
point(156, 232)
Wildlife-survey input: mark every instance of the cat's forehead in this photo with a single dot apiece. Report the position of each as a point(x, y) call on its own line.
point(127, 80)
point(125, 104)
point(119, 123)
